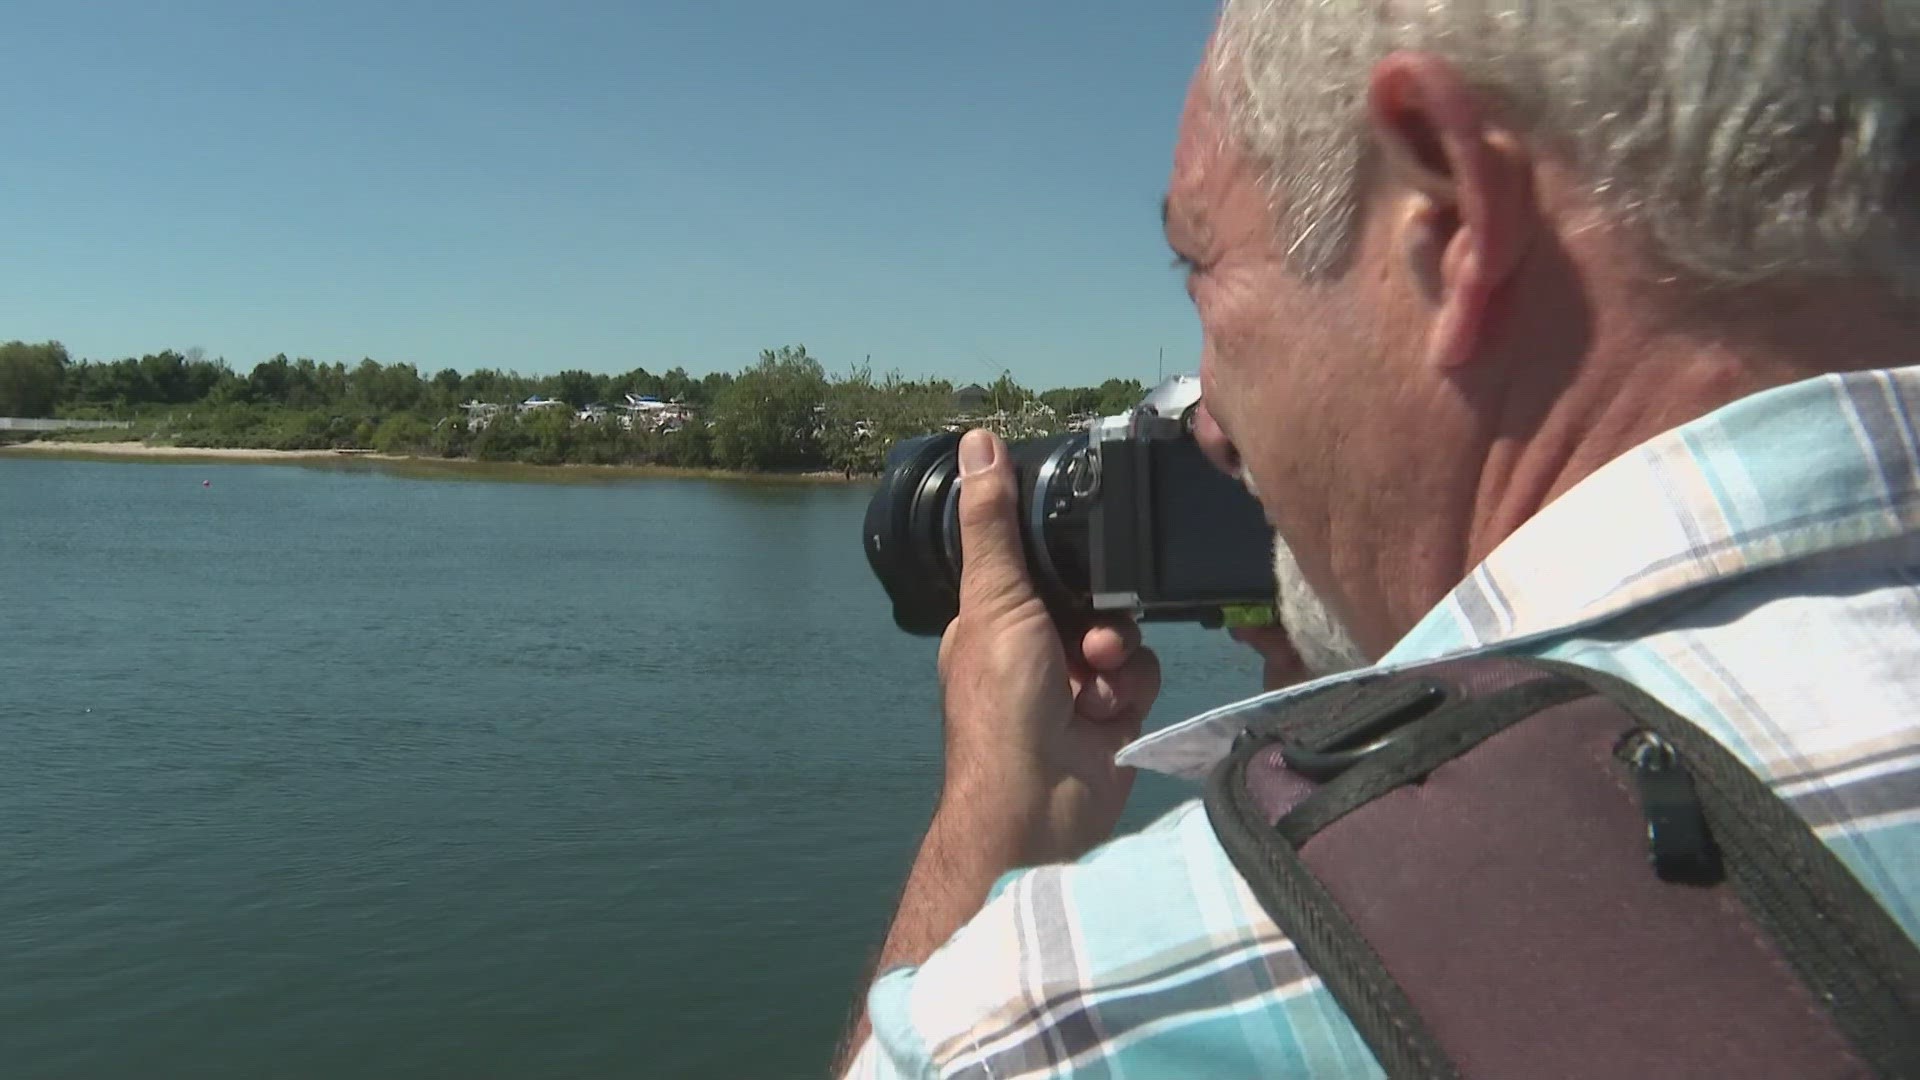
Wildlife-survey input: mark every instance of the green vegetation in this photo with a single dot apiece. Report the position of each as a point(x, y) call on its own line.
point(784, 413)
point(32, 379)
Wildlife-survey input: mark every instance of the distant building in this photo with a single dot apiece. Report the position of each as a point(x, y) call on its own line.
point(970, 399)
point(644, 412)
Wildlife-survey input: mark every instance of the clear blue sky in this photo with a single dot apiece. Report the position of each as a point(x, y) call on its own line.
point(952, 188)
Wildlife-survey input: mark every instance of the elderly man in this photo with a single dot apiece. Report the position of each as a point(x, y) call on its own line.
point(1577, 329)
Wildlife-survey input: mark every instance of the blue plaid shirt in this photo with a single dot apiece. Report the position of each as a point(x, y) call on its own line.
point(1758, 570)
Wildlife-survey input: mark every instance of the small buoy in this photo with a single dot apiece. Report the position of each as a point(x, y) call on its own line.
point(206, 483)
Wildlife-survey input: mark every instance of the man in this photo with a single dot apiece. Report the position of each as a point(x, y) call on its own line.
point(1580, 329)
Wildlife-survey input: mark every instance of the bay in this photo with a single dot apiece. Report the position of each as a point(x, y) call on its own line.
point(321, 772)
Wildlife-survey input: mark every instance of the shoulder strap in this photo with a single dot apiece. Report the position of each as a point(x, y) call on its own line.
point(1506, 868)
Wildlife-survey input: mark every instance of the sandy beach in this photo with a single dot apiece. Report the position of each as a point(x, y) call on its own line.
point(424, 466)
point(142, 450)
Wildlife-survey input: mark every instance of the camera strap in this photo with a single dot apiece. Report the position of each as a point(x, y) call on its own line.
point(1517, 868)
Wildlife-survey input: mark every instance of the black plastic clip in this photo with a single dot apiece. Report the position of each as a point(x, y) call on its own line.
point(1365, 727)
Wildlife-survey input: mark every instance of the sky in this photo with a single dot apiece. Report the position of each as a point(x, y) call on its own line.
point(947, 189)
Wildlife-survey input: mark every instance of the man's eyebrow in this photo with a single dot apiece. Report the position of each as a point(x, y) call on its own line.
point(1177, 222)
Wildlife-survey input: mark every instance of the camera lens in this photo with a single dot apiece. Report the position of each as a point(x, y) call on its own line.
point(904, 532)
point(912, 530)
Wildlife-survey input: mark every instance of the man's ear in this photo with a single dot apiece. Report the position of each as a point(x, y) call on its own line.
point(1470, 213)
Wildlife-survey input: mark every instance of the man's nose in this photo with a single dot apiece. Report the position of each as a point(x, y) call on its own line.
point(1214, 442)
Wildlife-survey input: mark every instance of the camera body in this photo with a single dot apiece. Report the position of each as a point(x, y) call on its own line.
point(1126, 517)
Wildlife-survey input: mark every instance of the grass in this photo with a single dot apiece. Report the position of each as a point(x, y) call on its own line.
point(99, 435)
point(470, 469)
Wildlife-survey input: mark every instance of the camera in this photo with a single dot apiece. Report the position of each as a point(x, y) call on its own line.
point(1125, 517)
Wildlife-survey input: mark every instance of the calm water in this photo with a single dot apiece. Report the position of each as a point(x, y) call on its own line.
point(323, 773)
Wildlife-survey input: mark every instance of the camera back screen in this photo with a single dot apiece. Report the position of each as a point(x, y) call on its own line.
point(1211, 541)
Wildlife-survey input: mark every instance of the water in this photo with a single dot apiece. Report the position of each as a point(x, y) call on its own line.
point(321, 772)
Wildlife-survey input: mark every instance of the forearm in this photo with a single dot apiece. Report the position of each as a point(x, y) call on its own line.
point(960, 858)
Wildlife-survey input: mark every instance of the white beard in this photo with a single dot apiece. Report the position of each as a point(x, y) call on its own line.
point(1324, 644)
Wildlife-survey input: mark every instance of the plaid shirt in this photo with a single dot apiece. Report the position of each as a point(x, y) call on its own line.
point(1758, 570)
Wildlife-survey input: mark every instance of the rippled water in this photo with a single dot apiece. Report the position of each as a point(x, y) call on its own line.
point(323, 772)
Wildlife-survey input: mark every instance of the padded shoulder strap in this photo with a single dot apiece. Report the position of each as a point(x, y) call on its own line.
point(1511, 869)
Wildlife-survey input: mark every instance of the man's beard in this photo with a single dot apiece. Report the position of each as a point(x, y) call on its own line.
point(1325, 646)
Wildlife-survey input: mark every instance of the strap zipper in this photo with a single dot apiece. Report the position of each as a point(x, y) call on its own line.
point(1679, 844)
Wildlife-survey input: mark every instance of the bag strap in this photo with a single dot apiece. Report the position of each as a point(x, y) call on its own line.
point(1751, 875)
point(1841, 941)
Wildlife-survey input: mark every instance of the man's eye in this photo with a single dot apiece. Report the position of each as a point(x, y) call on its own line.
point(1185, 265)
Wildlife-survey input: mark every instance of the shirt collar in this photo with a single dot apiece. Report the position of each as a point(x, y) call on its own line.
point(1820, 465)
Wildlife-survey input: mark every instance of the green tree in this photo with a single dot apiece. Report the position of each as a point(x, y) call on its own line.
point(637, 382)
point(704, 393)
point(166, 378)
point(1118, 396)
point(689, 448)
point(866, 417)
point(270, 380)
point(1006, 395)
point(551, 436)
point(677, 385)
point(487, 384)
point(1072, 401)
point(380, 390)
point(780, 413)
point(32, 378)
point(772, 416)
point(578, 388)
point(403, 433)
point(451, 439)
point(403, 390)
point(850, 440)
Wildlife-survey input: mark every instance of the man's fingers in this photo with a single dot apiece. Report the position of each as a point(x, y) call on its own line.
point(1106, 647)
point(1282, 667)
point(1261, 638)
point(993, 571)
point(1123, 694)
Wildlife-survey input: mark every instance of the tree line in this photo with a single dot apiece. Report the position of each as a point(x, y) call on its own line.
point(782, 413)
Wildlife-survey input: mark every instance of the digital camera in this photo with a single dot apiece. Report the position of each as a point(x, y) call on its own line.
point(1125, 517)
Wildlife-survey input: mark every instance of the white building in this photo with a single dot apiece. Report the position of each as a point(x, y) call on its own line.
point(644, 412)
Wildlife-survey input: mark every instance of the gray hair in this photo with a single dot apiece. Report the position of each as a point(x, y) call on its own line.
point(1753, 141)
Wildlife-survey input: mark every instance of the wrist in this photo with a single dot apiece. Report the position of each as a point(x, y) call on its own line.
point(993, 826)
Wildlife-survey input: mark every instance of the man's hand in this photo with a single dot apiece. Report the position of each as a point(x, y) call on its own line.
point(1034, 717)
point(1032, 726)
point(1282, 667)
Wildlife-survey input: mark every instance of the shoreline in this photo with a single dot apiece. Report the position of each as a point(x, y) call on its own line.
point(403, 463)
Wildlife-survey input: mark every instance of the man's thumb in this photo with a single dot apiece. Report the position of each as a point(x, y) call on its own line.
point(993, 570)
